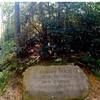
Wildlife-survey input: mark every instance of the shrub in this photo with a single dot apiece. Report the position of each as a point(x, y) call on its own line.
point(92, 63)
point(3, 80)
point(88, 59)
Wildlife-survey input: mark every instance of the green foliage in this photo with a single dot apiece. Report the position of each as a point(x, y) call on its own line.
point(8, 47)
point(70, 26)
point(12, 63)
point(59, 29)
point(6, 52)
point(3, 80)
point(98, 62)
point(92, 63)
point(62, 27)
point(88, 59)
point(96, 72)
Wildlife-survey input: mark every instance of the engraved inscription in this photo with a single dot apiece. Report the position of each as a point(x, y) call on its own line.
point(58, 81)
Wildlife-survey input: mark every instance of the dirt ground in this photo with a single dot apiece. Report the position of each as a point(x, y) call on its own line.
point(95, 86)
point(13, 89)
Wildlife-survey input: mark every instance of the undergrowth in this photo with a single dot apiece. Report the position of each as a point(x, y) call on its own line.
point(4, 75)
point(92, 63)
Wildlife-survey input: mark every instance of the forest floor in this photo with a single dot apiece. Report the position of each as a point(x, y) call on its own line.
point(95, 86)
point(14, 88)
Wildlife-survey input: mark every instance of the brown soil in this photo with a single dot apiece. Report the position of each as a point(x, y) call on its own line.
point(13, 89)
point(95, 86)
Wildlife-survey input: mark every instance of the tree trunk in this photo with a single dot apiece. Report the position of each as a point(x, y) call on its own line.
point(17, 24)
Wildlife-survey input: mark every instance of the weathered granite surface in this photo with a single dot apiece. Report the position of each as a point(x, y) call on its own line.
point(63, 82)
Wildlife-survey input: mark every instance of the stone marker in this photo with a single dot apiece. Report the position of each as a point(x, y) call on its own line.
point(63, 82)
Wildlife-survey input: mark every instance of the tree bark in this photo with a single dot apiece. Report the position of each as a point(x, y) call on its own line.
point(17, 25)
